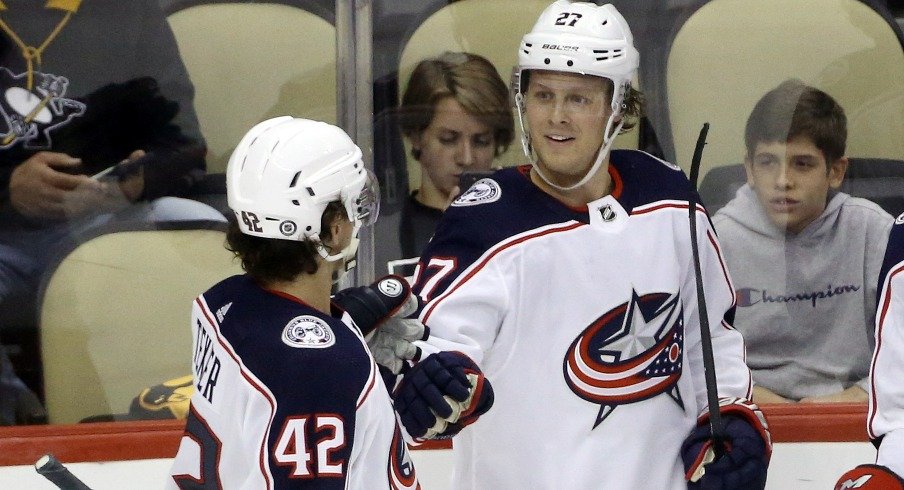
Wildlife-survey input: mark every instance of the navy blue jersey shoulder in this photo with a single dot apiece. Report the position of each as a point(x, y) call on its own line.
point(302, 377)
point(894, 253)
point(517, 205)
point(522, 206)
point(305, 381)
point(645, 179)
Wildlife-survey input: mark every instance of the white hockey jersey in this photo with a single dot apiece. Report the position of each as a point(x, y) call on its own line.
point(885, 421)
point(286, 397)
point(585, 321)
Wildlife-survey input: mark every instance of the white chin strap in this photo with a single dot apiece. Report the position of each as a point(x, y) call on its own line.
point(608, 140)
point(347, 254)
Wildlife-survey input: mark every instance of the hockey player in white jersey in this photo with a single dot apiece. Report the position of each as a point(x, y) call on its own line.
point(885, 420)
point(287, 393)
point(571, 284)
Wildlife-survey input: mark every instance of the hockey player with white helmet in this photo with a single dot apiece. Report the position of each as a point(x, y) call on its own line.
point(571, 283)
point(286, 388)
point(885, 421)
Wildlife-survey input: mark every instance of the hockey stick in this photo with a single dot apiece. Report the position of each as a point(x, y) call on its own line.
point(51, 468)
point(716, 427)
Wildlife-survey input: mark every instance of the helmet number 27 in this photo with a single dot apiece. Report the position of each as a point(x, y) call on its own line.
point(252, 222)
point(564, 16)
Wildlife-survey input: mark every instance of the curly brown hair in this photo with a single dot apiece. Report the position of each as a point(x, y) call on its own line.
point(271, 260)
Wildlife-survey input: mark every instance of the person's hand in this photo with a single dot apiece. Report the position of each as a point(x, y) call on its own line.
point(762, 396)
point(133, 185)
point(441, 395)
point(379, 311)
point(745, 456)
point(854, 394)
point(38, 187)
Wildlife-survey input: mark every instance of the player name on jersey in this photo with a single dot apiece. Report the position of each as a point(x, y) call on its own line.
point(206, 364)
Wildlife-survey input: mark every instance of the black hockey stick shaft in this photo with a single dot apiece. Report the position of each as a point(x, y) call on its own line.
point(716, 426)
point(51, 468)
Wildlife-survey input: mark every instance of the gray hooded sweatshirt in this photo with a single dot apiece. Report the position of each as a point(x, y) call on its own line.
point(806, 302)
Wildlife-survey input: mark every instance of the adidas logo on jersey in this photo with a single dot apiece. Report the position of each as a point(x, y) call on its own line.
point(221, 313)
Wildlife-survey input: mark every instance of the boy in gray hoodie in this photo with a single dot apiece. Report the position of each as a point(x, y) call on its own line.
point(804, 257)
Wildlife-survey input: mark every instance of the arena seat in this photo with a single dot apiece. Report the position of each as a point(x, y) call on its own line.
point(731, 52)
point(115, 314)
point(461, 26)
point(253, 61)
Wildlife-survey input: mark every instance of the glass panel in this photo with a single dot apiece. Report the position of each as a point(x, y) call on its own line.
point(803, 247)
point(107, 284)
point(110, 225)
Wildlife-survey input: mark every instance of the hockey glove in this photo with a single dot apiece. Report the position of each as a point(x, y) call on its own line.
point(379, 311)
point(748, 447)
point(870, 477)
point(370, 306)
point(441, 395)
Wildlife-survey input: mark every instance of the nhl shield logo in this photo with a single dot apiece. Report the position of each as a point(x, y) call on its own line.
point(308, 331)
point(607, 213)
point(288, 228)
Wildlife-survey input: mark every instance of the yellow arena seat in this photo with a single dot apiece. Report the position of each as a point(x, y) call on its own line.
point(253, 61)
point(115, 315)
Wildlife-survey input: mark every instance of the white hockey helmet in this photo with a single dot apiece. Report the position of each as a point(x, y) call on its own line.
point(584, 38)
point(285, 171)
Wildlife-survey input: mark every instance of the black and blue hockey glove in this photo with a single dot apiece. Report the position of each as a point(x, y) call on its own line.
point(379, 311)
point(745, 459)
point(441, 395)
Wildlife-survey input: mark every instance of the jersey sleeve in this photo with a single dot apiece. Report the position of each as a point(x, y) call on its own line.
point(886, 404)
point(732, 374)
point(456, 261)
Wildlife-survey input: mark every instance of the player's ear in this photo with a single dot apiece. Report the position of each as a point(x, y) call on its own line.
point(335, 237)
point(837, 170)
point(416, 140)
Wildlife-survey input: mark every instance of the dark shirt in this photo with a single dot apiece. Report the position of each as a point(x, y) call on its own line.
point(416, 226)
point(113, 82)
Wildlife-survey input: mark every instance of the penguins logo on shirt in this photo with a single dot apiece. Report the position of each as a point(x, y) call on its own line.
point(308, 331)
point(483, 191)
point(631, 353)
point(402, 475)
point(31, 115)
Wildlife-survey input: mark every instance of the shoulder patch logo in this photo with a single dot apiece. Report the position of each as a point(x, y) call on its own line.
point(483, 191)
point(900, 219)
point(308, 331)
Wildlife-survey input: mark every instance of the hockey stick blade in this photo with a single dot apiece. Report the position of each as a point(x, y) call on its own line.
point(717, 428)
point(49, 467)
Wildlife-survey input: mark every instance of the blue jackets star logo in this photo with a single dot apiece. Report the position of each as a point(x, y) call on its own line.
point(631, 353)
